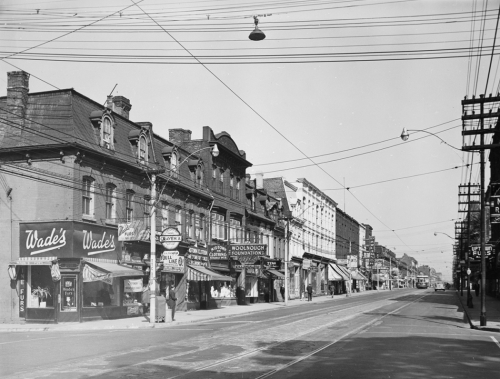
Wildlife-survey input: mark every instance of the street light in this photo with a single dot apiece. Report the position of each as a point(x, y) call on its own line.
point(256, 34)
point(436, 233)
point(405, 135)
point(152, 237)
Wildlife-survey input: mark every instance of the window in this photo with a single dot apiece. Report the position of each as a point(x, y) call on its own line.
point(129, 205)
point(231, 187)
point(221, 182)
point(238, 187)
point(218, 229)
point(189, 225)
point(143, 150)
point(110, 201)
point(235, 231)
point(201, 236)
point(40, 287)
point(107, 133)
point(164, 215)
point(87, 196)
point(199, 174)
point(214, 177)
point(178, 219)
point(173, 165)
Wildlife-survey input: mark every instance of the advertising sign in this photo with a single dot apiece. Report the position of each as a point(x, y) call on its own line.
point(132, 285)
point(352, 261)
point(197, 257)
point(217, 253)
point(170, 238)
point(306, 264)
point(475, 251)
point(247, 253)
point(495, 209)
point(172, 262)
point(133, 231)
point(342, 262)
point(68, 294)
point(67, 239)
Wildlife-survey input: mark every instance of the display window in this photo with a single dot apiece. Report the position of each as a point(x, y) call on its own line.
point(193, 291)
point(40, 287)
point(133, 291)
point(222, 289)
point(251, 289)
point(101, 294)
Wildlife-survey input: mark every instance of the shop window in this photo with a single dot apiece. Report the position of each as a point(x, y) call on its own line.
point(101, 294)
point(40, 287)
point(129, 205)
point(251, 289)
point(110, 201)
point(88, 196)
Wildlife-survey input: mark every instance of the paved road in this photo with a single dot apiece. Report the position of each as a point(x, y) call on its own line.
point(398, 334)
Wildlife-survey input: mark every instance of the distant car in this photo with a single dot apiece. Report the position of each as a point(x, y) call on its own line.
point(439, 287)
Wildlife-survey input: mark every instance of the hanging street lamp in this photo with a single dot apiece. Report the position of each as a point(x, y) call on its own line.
point(257, 34)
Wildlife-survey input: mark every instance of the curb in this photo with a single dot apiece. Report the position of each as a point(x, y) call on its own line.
point(472, 326)
point(55, 328)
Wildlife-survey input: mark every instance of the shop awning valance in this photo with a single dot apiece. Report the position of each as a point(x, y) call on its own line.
point(276, 274)
point(93, 271)
point(33, 261)
point(339, 271)
point(204, 274)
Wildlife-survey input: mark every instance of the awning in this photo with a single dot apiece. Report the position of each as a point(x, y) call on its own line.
point(379, 277)
point(94, 271)
point(357, 275)
point(33, 261)
point(334, 276)
point(339, 271)
point(276, 274)
point(204, 274)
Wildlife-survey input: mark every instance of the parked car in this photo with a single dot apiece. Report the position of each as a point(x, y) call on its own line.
point(439, 287)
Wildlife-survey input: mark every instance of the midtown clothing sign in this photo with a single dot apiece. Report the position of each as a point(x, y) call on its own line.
point(67, 239)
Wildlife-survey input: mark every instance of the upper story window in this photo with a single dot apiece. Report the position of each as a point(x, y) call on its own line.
point(238, 187)
point(88, 196)
point(129, 205)
point(110, 201)
point(107, 133)
point(147, 210)
point(231, 187)
point(221, 182)
point(174, 161)
point(143, 150)
point(164, 215)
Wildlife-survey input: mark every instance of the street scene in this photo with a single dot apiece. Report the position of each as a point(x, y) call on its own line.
point(227, 189)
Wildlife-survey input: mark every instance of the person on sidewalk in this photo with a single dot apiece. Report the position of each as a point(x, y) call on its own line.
point(330, 288)
point(172, 300)
point(477, 287)
point(282, 291)
point(309, 292)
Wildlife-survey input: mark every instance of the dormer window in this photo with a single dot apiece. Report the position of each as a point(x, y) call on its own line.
point(143, 150)
point(106, 132)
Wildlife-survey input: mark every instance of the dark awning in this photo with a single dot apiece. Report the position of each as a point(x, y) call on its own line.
point(276, 274)
point(204, 274)
point(93, 271)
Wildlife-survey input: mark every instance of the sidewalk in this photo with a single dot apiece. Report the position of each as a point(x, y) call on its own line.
point(473, 314)
point(181, 318)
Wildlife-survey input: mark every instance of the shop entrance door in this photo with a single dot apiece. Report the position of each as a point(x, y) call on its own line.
point(68, 299)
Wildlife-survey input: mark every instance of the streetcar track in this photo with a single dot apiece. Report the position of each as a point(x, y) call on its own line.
point(277, 343)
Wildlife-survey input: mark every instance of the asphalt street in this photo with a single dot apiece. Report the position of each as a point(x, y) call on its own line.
point(392, 334)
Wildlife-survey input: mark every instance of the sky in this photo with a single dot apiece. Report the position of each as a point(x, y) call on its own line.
point(325, 96)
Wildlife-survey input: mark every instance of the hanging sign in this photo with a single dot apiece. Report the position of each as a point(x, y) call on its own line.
point(247, 253)
point(132, 285)
point(172, 262)
point(306, 264)
point(475, 251)
point(217, 253)
point(170, 238)
point(495, 209)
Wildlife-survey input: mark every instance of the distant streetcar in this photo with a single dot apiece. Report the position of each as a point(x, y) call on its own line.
point(422, 281)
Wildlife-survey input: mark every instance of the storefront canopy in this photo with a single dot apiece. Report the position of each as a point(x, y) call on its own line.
point(357, 275)
point(33, 261)
point(94, 271)
point(334, 276)
point(276, 274)
point(204, 274)
point(379, 277)
point(339, 271)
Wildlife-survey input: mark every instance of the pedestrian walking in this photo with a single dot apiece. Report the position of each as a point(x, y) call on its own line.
point(282, 291)
point(172, 300)
point(309, 292)
point(477, 287)
point(330, 288)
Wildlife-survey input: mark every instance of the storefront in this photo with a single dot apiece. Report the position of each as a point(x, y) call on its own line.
point(335, 280)
point(70, 272)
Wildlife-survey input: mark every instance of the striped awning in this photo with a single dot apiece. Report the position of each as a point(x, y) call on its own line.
point(334, 276)
point(33, 261)
point(94, 271)
point(276, 274)
point(204, 274)
point(339, 271)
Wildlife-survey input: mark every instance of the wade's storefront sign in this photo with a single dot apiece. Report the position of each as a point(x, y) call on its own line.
point(67, 239)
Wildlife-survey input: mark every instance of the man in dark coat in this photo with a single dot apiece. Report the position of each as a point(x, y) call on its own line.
point(282, 291)
point(172, 299)
point(309, 292)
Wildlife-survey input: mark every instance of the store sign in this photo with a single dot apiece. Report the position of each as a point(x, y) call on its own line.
point(132, 285)
point(67, 239)
point(352, 261)
point(217, 253)
point(197, 257)
point(172, 262)
point(247, 253)
point(475, 251)
point(134, 231)
point(342, 262)
point(306, 264)
point(170, 238)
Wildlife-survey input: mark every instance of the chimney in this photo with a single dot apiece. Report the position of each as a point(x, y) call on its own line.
point(178, 136)
point(17, 98)
point(122, 106)
point(259, 181)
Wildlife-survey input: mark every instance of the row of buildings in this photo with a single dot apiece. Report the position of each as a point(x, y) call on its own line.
point(89, 199)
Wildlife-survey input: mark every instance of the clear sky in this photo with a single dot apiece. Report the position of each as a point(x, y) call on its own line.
point(325, 96)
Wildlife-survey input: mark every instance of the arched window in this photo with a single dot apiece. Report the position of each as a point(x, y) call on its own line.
point(143, 150)
point(88, 196)
point(110, 201)
point(174, 161)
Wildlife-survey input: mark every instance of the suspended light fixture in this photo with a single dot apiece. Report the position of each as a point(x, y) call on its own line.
point(257, 34)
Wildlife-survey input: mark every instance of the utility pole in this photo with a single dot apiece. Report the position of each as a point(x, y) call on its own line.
point(472, 112)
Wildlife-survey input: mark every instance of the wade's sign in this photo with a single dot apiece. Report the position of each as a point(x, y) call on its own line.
point(67, 239)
